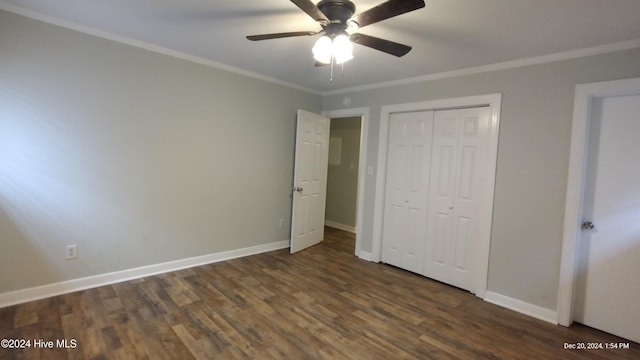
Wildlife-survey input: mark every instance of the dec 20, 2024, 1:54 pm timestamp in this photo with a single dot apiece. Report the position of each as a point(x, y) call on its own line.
point(597, 346)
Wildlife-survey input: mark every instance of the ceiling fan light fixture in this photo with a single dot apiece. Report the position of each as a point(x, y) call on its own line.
point(342, 49)
point(339, 26)
point(323, 50)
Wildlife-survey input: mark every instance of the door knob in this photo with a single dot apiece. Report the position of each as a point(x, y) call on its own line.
point(298, 189)
point(588, 225)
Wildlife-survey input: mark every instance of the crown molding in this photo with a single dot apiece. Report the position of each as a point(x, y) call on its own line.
point(565, 55)
point(146, 46)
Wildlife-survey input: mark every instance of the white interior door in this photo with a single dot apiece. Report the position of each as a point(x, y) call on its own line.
point(309, 180)
point(607, 295)
point(460, 148)
point(409, 155)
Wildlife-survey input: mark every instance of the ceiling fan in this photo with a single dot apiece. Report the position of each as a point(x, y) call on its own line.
point(338, 25)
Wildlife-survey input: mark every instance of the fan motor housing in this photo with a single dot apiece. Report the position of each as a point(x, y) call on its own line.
point(338, 11)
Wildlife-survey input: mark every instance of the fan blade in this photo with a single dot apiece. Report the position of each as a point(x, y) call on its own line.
point(312, 10)
point(387, 10)
point(280, 35)
point(390, 47)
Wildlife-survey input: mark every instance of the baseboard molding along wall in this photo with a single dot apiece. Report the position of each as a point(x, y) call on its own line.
point(520, 306)
point(335, 225)
point(64, 287)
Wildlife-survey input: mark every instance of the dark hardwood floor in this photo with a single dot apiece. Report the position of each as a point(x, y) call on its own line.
point(322, 303)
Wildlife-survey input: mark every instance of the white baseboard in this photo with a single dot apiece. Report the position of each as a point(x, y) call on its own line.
point(335, 225)
point(520, 306)
point(365, 255)
point(64, 287)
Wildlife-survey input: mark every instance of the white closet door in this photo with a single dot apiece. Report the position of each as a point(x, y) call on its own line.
point(407, 185)
point(459, 150)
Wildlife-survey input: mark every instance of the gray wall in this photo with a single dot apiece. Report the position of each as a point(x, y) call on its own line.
point(342, 180)
point(532, 166)
point(137, 157)
point(141, 158)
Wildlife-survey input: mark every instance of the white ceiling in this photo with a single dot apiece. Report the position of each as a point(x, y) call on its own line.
point(446, 35)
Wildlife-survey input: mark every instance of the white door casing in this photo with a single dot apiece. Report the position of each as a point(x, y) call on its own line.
point(607, 290)
point(586, 96)
point(460, 140)
point(309, 180)
point(407, 189)
point(479, 259)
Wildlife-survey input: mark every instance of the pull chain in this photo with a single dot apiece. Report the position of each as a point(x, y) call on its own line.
point(341, 70)
point(331, 74)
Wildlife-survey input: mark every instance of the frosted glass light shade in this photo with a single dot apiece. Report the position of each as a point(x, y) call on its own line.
point(342, 49)
point(322, 50)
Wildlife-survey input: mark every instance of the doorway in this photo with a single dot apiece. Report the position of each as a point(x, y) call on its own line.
point(342, 180)
point(352, 166)
point(602, 236)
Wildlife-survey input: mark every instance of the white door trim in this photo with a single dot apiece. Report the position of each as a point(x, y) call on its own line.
point(493, 101)
point(362, 165)
point(585, 94)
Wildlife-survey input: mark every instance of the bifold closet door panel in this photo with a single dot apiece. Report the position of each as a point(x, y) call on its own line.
point(407, 186)
point(458, 152)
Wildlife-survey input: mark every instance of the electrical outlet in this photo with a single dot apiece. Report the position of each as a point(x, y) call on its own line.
point(71, 252)
point(281, 223)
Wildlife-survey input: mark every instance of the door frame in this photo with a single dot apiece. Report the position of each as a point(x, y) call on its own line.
point(493, 101)
point(585, 94)
point(363, 113)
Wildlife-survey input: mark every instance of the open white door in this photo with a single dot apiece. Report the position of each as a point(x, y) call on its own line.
point(309, 180)
point(601, 244)
point(607, 289)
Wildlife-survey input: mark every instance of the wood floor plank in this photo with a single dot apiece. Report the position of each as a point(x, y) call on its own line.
point(25, 315)
point(164, 343)
point(191, 343)
point(321, 303)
